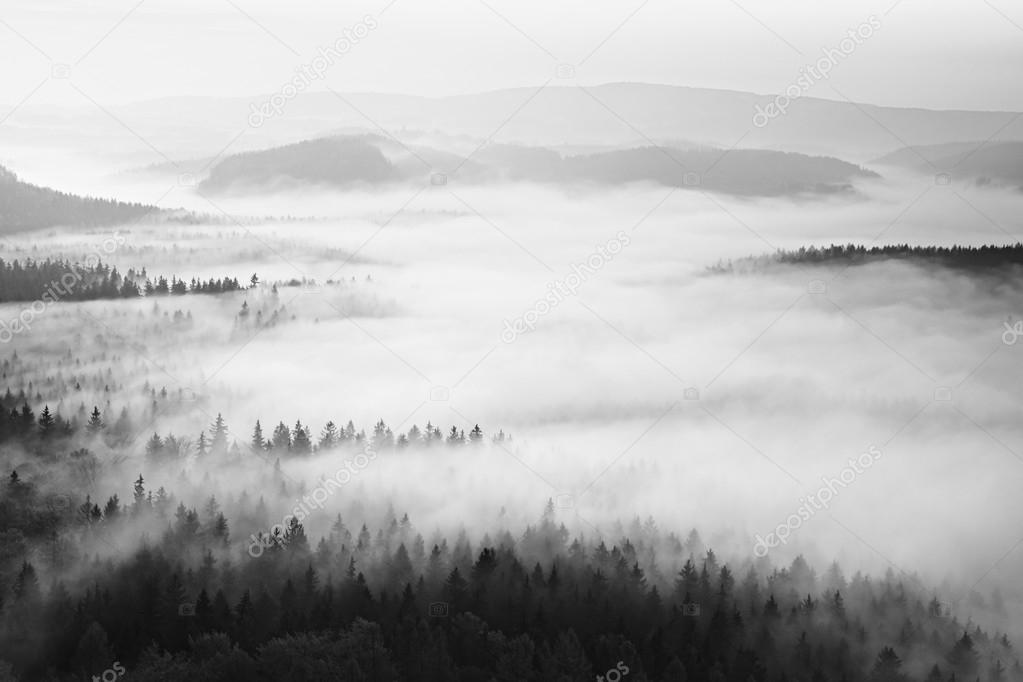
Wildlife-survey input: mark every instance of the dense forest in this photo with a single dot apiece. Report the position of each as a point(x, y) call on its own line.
point(961, 257)
point(24, 206)
point(62, 279)
point(163, 589)
point(139, 540)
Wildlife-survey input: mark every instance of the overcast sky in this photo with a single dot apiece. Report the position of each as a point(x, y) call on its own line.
point(929, 53)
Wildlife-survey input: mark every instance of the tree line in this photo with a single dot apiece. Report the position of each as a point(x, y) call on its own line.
point(966, 257)
point(48, 431)
point(63, 279)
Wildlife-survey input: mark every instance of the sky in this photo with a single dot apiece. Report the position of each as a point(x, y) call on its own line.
point(952, 54)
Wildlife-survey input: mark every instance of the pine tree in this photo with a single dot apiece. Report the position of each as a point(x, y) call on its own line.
point(220, 529)
point(300, 442)
point(295, 537)
point(26, 585)
point(455, 589)
point(887, 667)
point(282, 437)
point(258, 443)
point(139, 493)
point(329, 437)
point(218, 440)
point(95, 422)
point(112, 509)
point(963, 657)
point(154, 449)
point(46, 423)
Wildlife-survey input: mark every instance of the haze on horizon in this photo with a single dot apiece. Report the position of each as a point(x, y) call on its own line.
point(951, 54)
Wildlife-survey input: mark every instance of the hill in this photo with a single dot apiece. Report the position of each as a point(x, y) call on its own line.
point(343, 161)
point(333, 161)
point(24, 206)
point(998, 163)
point(992, 259)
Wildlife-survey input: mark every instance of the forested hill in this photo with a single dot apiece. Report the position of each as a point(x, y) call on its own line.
point(987, 258)
point(24, 206)
point(368, 160)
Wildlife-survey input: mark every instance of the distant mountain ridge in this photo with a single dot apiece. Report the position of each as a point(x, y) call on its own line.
point(561, 114)
point(346, 161)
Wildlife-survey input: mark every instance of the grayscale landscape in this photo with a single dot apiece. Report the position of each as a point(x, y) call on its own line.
point(507, 341)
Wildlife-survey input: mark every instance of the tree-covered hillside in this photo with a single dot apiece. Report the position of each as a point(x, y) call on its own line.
point(24, 206)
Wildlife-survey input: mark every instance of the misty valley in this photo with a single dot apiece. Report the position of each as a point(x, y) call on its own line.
point(617, 381)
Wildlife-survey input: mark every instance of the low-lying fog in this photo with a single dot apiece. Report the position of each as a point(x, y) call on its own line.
point(658, 388)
